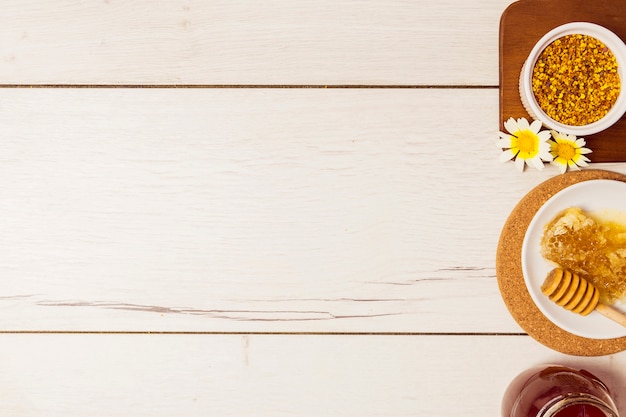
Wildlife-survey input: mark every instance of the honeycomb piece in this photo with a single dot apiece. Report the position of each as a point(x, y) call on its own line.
point(589, 247)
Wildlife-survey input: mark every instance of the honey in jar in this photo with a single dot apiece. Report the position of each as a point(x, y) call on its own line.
point(557, 391)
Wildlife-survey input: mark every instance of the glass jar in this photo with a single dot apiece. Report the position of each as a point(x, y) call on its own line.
point(557, 391)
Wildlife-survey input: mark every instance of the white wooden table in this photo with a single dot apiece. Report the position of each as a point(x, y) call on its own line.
point(279, 208)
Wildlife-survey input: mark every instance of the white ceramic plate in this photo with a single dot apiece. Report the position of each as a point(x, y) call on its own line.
point(592, 196)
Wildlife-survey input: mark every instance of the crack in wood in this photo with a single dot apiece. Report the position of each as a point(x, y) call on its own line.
point(238, 315)
point(17, 297)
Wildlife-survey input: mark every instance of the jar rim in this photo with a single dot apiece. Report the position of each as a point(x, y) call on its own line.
point(553, 407)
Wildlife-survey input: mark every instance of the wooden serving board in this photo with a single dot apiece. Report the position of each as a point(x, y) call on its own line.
point(522, 24)
point(511, 280)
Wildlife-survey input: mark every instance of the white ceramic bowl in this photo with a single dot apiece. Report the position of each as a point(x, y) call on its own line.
point(617, 47)
point(606, 198)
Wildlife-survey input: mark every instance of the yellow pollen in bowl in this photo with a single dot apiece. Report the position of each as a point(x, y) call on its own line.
point(576, 80)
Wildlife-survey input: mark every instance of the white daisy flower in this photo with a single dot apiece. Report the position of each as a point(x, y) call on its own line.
point(525, 143)
point(567, 151)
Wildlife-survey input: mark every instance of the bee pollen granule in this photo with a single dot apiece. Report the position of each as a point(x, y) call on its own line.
point(575, 80)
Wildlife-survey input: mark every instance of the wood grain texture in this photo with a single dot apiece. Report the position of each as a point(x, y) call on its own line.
point(254, 210)
point(204, 212)
point(230, 375)
point(355, 42)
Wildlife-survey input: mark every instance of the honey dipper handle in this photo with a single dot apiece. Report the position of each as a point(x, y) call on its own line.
point(615, 315)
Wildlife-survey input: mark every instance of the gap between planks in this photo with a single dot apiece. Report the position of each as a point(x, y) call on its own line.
point(258, 86)
point(235, 333)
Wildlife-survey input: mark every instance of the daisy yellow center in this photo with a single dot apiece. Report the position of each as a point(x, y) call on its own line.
point(526, 142)
point(566, 151)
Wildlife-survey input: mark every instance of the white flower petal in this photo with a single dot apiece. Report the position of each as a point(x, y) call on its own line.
point(522, 124)
point(519, 163)
point(585, 151)
point(506, 155)
point(544, 135)
point(545, 151)
point(544, 146)
point(547, 156)
point(572, 165)
point(582, 163)
point(535, 162)
point(511, 126)
point(561, 166)
point(535, 126)
point(580, 142)
point(504, 143)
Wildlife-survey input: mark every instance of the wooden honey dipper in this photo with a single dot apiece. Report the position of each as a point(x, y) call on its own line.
point(576, 294)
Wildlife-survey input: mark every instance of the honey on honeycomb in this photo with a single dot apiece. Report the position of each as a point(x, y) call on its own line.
point(593, 248)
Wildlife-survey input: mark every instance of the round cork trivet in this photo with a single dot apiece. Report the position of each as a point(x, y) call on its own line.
point(511, 281)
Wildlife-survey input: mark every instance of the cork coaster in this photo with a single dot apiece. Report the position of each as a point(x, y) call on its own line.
point(511, 280)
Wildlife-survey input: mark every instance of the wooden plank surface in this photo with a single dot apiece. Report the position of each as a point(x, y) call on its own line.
point(247, 209)
point(352, 42)
point(256, 251)
point(83, 375)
